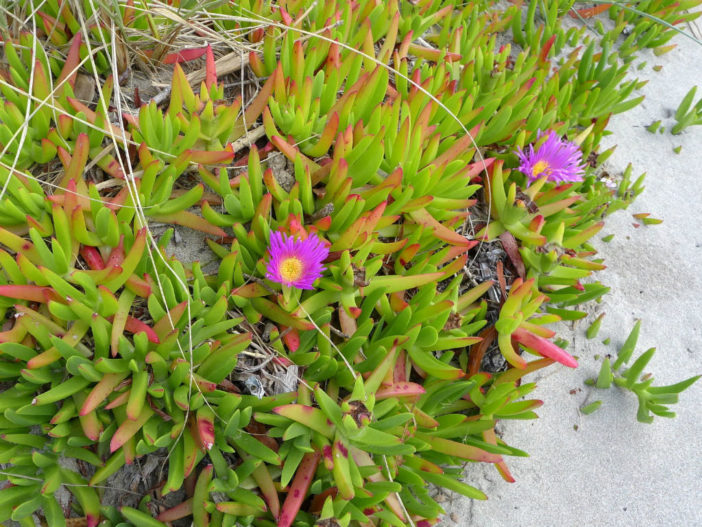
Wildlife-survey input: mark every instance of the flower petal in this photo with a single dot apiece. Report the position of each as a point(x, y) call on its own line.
point(311, 252)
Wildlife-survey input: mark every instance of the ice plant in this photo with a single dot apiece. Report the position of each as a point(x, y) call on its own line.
point(295, 263)
point(557, 159)
point(113, 356)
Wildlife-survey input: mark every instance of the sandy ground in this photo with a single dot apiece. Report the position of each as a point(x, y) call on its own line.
point(606, 469)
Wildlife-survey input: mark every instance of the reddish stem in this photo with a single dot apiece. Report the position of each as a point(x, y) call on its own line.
point(117, 255)
point(92, 257)
point(298, 488)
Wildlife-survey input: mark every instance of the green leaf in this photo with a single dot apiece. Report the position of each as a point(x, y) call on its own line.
point(257, 449)
point(685, 104)
point(628, 348)
point(377, 442)
point(594, 328)
point(328, 406)
point(590, 408)
point(605, 378)
point(643, 415)
point(633, 374)
point(450, 483)
point(674, 388)
point(395, 283)
point(292, 461)
point(311, 417)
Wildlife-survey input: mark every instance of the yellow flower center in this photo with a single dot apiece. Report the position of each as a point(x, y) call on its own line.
point(540, 167)
point(291, 269)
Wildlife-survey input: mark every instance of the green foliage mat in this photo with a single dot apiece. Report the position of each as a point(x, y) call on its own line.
point(141, 388)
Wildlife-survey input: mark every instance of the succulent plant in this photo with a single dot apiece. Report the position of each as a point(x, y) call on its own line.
point(687, 114)
point(326, 387)
point(653, 400)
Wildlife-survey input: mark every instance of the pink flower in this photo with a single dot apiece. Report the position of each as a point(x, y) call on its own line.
point(556, 159)
point(295, 263)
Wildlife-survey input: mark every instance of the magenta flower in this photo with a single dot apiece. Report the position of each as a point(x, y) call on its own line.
point(295, 263)
point(556, 159)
